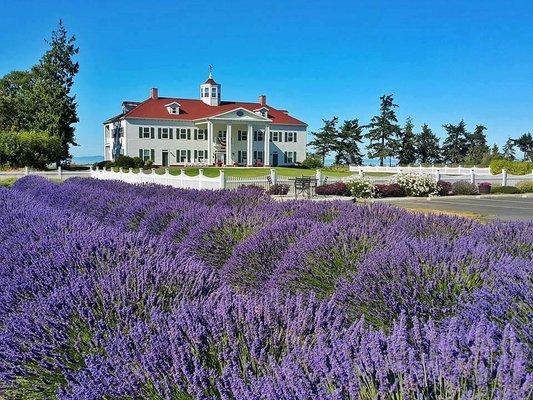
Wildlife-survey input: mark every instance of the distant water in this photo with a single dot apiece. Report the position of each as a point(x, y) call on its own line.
point(87, 160)
point(366, 161)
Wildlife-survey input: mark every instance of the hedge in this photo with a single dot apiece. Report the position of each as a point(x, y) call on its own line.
point(505, 190)
point(512, 167)
point(31, 149)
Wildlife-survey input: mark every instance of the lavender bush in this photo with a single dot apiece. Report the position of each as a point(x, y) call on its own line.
point(115, 291)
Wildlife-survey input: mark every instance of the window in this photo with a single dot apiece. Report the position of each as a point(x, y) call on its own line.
point(147, 154)
point(201, 155)
point(164, 133)
point(173, 110)
point(206, 92)
point(183, 133)
point(241, 135)
point(290, 157)
point(241, 156)
point(201, 133)
point(214, 92)
point(182, 156)
point(276, 136)
point(258, 156)
point(258, 136)
point(290, 136)
point(144, 133)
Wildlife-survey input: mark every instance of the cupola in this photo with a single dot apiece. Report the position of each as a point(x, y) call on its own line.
point(210, 90)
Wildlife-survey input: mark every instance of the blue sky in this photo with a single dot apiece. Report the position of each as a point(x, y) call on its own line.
point(443, 60)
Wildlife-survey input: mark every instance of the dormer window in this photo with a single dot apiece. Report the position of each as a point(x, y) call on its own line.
point(263, 111)
point(173, 108)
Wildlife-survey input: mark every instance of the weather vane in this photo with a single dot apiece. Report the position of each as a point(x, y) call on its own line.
point(210, 69)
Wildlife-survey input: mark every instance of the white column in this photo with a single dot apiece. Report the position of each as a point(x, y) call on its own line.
point(209, 143)
point(266, 155)
point(229, 160)
point(249, 145)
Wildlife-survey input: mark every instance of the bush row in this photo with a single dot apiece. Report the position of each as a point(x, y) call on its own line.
point(31, 149)
point(512, 167)
point(125, 162)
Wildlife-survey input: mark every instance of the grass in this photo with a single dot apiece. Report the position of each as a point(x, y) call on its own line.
point(250, 172)
point(7, 182)
point(465, 214)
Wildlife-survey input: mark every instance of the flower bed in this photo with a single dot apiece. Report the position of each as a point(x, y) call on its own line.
point(111, 290)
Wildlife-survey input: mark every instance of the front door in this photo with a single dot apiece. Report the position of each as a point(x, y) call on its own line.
point(164, 157)
point(275, 159)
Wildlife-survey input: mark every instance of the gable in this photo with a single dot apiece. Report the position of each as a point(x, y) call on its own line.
point(241, 114)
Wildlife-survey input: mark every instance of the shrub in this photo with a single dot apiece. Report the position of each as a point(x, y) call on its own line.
point(32, 149)
point(361, 186)
point(313, 162)
point(484, 187)
point(525, 186)
point(333, 189)
point(444, 188)
point(505, 190)
point(104, 164)
point(278, 189)
point(389, 190)
point(464, 187)
point(512, 167)
point(418, 185)
point(337, 168)
point(7, 182)
point(253, 187)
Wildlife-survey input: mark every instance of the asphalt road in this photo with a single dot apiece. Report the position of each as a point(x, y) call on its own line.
point(510, 208)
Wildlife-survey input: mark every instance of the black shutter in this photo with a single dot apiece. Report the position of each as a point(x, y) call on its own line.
point(140, 132)
point(188, 134)
point(152, 155)
point(140, 153)
point(152, 133)
point(195, 155)
point(205, 134)
point(159, 133)
point(177, 156)
point(170, 133)
point(285, 140)
point(285, 154)
point(195, 136)
point(294, 133)
point(188, 156)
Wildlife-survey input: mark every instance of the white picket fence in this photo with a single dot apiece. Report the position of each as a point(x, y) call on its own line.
point(445, 170)
point(58, 173)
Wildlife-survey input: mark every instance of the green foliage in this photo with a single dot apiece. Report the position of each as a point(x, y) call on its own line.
point(512, 167)
point(347, 143)
point(383, 129)
point(455, 147)
point(7, 182)
point(508, 150)
point(525, 144)
point(525, 186)
point(464, 188)
point(313, 161)
point(40, 99)
point(128, 162)
point(324, 141)
point(406, 143)
point(32, 149)
point(427, 146)
point(361, 187)
point(505, 190)
point(477, 147)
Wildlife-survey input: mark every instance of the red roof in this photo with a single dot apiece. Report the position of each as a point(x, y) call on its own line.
point(196, 109)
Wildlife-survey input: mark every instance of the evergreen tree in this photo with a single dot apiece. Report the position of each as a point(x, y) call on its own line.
point(525, 145)
point(454, 148)
point(495, 151)
point(427, 146)
point(477, 147)
point(508, 150)
point(347, 144)
point(325, 139)
point(16, 110)
point(383, 129)
point(406, 144)
point(54, 76)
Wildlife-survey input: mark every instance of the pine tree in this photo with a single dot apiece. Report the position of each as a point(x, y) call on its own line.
point(383, 130)
point(406, 144)
point(477, 147)
point(324, 141)
point(427, 146)
point(525, 145)
point(455, 147)
point(347, 144)
point(54, 77)
point(508, 150)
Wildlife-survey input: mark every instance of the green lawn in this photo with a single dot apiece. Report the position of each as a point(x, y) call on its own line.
point(257, 171)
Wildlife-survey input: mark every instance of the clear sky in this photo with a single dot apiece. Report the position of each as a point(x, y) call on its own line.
point(443, 60)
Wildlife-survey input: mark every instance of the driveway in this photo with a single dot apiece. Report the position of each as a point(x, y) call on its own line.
point(510, 208)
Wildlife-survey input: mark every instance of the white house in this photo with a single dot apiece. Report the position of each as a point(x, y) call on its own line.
point(176, 131)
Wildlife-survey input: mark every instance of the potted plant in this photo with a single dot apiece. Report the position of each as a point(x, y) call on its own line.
point(484, 187)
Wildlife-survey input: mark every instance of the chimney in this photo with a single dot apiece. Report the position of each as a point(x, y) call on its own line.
point(154, 93)
point(262, 100)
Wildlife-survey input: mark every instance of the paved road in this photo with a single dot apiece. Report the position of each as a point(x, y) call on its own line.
point(500, 207)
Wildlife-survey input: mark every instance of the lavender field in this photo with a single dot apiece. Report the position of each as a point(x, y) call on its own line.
point(114, 291)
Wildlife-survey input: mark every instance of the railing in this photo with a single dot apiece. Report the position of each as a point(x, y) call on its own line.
point(59, 173)
point(420, 169)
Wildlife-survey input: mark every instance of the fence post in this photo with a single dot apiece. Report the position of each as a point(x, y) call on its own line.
point(200, 176)
point(437, 174)
point(319, 176)
point(59, 173)
point(504, 177)
point(130, 170)
point(472, 176)
point(222, 178)
point(26, 171)
point(273, 176)
point(361, 173)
